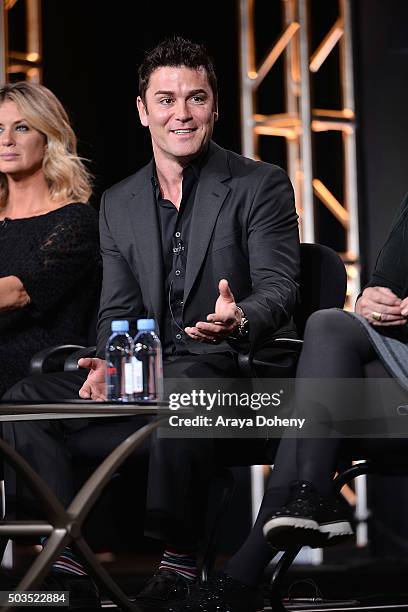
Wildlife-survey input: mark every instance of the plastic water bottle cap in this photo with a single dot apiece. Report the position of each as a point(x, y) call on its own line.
point(120, 326)
point(146, 325)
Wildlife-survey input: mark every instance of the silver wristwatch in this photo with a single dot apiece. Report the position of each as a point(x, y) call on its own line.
point(243, 327)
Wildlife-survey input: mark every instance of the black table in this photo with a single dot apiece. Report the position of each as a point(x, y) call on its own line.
point(64, 526)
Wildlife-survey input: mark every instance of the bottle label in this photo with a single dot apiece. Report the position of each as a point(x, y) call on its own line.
point(137, 375)
point(128, 378)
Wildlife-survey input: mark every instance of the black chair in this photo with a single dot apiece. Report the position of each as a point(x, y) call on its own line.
point(323, 283)
point(54, 358)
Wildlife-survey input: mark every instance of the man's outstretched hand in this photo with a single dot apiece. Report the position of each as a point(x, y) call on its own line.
point(94, 387)
point(221, 323)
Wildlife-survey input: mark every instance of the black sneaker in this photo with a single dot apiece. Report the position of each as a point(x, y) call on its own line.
point(308, 519)
point(220, 593)
point(161, 589)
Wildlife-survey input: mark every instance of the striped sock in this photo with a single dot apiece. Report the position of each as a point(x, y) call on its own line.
point(67, 562)
point(184, 564)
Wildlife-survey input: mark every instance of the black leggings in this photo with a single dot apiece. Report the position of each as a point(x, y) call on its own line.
point(336, 346)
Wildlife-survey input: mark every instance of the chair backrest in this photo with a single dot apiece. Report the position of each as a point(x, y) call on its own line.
point(323, 282)
point(93, 319)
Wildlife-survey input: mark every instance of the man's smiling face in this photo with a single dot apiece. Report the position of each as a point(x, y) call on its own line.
point(179, 111)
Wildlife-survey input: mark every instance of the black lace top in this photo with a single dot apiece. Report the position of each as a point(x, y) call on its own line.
point(56, 257)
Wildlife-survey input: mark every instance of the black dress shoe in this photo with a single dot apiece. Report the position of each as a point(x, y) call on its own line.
point(220, 593)
point(161, 589)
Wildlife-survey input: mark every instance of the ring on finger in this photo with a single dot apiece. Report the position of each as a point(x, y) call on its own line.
point(377, 316)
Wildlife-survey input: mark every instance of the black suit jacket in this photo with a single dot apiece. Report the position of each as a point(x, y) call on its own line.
point(243, 228)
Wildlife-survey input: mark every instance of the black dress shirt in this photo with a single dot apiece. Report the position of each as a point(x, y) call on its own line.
point(175, 231)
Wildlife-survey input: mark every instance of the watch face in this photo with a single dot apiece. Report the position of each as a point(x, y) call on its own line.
point(243, 328)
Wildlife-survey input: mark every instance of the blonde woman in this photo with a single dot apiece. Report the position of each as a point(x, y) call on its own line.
point(49, 252)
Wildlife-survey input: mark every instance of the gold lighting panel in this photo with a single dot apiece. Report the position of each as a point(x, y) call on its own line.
point(22, 18)
point(301, 122)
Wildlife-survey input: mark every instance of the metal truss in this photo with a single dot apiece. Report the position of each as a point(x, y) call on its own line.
point(22, 64)
point(300, 122)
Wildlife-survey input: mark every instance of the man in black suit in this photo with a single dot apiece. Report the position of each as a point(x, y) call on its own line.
point(199, 226)
point(204, 241)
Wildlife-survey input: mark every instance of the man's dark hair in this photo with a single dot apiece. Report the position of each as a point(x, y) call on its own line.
point(176, 51)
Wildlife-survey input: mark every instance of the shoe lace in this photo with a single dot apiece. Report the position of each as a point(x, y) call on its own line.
point(302, 497)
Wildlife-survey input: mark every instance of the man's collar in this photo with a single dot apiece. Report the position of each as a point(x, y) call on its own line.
point(196, 164)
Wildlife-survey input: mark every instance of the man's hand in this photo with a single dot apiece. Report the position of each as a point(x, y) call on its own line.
point(221, 323)
point(381, 307)
point(94, 387)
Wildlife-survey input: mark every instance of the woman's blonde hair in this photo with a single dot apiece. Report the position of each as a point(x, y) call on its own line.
point(65, 173)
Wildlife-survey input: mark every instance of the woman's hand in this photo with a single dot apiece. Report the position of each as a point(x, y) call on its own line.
point(381, 307)
point(12, 294)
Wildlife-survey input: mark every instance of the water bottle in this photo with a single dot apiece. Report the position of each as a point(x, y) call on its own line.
point(147, 363)
point(119, 371)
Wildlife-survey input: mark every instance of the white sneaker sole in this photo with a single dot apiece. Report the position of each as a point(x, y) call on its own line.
point(289, 521)
point(288, 532)
point(334, 533)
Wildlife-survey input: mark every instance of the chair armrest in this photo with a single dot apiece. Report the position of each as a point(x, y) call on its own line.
point(247, 361)
point(293, 344)
point(245, 364)
point(38, 361)
point(71, 362)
